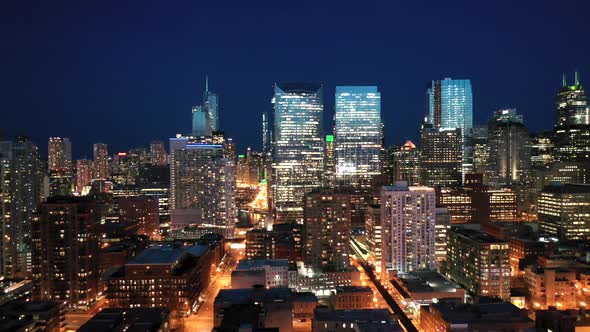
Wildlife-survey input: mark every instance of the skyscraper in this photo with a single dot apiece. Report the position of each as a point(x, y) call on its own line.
point(441, 157)
point(330, 162)
point(60, 154)
point(358, 135)
point(450, 104)
point(202, 182)
point(572, 127)
point(158, 155)
point(327, 228)
point(408, 228)
point(509, 145)
point(564, 209)
point(101, 161)
point(298, 147)
point(21, 176)
point(266, 133)
point(201, 122)
point(406, 164)
point(211, 106)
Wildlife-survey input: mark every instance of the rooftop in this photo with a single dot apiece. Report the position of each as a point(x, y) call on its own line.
point(476, 235)
point(353, 289)
point(247, 295)
point(166, 254)
point(479, 313)
point(352, 316)
point(424, 282)
point(247, 264)
point(130, 320)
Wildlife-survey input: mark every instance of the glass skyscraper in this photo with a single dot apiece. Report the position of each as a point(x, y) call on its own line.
point(358, 135)
point(450, 104)
point(211, 106)
point(298, 147)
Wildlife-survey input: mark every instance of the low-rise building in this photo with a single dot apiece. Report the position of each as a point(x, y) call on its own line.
point(551, 287)
point(327, 320)
point(277, 273)
point(43, 316)
point(128, 319)
point(447, 316)
point(562, 320)
point(168, 276)
point(424, 287)
point(352, 297)
point(255, 307)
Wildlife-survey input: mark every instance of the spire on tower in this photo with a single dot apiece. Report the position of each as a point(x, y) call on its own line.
point(564, 81)
point(206, 83)
point(577, 77)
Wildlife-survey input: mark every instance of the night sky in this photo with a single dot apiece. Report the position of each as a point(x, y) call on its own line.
point(127, 72)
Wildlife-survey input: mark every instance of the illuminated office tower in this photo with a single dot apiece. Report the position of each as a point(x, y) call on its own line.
point(330, 162)
point(83, 175)
point(406, 164)
point(327, 229)
point(572, 127)
point(101, 162)
point(450, 104)
point(298, 147)
point(509, 147)
point(158, 155)
point(202, 183)
point(21, 178)
point(542, 150)
point(211, 106)
point(441, 157)
point(201, 122)
point(266, 133)
point(60, 154)
point(408, 228)
point(479, 262)
point(358, 135)
point(564, 209)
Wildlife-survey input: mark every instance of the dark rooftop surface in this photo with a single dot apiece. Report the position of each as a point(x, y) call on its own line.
point(126, 319)
point(166, 254)
point(425, 281)
point(357, 315)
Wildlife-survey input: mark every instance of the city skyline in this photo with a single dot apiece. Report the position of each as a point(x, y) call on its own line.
point(143, 75)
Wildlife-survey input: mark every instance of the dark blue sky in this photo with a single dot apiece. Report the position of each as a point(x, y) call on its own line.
point(127, 72)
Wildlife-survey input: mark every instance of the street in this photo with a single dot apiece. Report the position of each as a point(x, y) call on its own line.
point(202, 320)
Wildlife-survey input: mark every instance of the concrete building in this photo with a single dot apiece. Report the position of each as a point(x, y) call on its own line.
point(142, 211)
point(551, 287)
point(46, 316)
point(276, 273)
point(425, 287)
point(408, 228)
point(563, 211)
point(479, 262)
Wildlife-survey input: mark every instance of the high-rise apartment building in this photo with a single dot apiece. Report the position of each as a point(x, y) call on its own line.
point(441, 157)
point(479, 262)
point(142, 211)
point(298, 147)
point(327, 229)
point(408, 227)
point(358, 135)
point(65, 251)
point(158, 155)
point(509, 149)
point(83, 174)
point(21, 178)
point(564, 209)
point(60, 154)
point(202, 182)
point(330, 162)
point(101, 161)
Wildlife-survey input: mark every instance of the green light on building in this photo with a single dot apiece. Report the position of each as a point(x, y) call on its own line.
point(329, 138)
point(241, 156)
point(263, 181)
